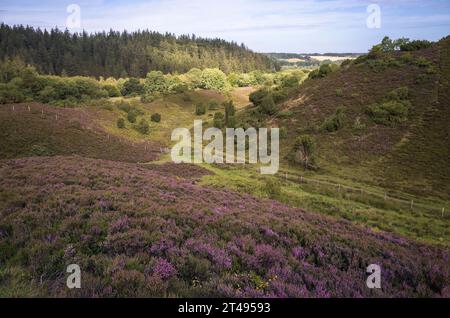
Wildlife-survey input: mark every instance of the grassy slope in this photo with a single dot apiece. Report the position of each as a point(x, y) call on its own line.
point(138, 231)
point(46, 130)
point(411, 157)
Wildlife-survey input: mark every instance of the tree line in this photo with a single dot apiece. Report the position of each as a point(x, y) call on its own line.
point(124, 54)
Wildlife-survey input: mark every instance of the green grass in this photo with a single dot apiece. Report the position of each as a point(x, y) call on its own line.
point(390, 217)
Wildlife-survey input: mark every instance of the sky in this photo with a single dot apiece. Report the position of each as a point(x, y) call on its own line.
point(294, 26)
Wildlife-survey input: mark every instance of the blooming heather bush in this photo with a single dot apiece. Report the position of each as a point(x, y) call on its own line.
point(140, 231)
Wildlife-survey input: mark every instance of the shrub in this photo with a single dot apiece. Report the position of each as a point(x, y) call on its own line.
point(219, 120)
point(268, 106)
point(389, 112)
point(213, 105)
point(257, 96)
point(323, 71)
point(155, 82)
point(112, 90)
point(132, 87)
point(200, 109)
point(393, 109)
point(272, 188)
point(156, 118)
point(39, 150)
point(422, 62)
point(213, 78)
point(132, 116)
point(285, 114)
point(143, 127)
point(415, 45)
point(120, 123)
point(304, 151)
point(358, 126)
point(230, 111)
point(401, 93)
point(335, 122)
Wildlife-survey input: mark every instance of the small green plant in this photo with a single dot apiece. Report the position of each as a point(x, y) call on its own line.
point(39, 150)
point(339, 92)
point(156, 118)
point(200, 109)
point(120, 123)
point(213, 105)
point(393, 109)
point(272, 188)
point(358, 126)
point(389, 113)
point(219, 120)
point(132, 117)
point(285, 114)
point(335, 122)
point(143, 127)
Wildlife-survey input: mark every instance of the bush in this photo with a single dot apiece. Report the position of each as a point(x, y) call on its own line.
point(120, 123)
point(230, 111)
point(200, 109)
point(272, 188)
point(268, 106)
point(422, 62)
point(335, 122)
point(219, 120)
point(389, 112)
point(323, 71)
point(358, 126)
point(415, 45)
point(213, 78)
point(213, 105)
point(285, 114)
point(132, 87)
point(155, 82)
point(112, 90)
point(257, 97)
point(132, 117)
point(393, 109)
point(143, 127)
point(156, 118)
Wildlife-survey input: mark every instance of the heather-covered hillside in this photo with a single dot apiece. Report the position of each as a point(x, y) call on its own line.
point(136, 230)
point(381, 119)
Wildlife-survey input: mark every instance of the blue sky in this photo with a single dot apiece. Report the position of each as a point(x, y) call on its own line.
point(263, 25)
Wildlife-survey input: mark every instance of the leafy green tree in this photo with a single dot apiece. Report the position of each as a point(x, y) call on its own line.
point(230, 111)
point(214, 78)
point(304, 151)
point(155, 82)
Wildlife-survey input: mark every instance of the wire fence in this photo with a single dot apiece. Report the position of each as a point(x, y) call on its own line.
point(380, 199)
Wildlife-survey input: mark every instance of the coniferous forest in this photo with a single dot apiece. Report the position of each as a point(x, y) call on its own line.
point(124, 54)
